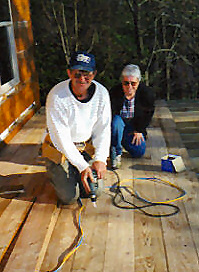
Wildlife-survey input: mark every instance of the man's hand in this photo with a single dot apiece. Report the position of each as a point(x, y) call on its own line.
point(137, 138)
point(100, 168)
point(87, 173)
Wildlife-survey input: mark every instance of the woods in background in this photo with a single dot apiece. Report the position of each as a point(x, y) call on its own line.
point(161, 36)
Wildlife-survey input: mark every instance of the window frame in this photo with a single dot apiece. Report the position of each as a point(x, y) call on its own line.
point(6, 87)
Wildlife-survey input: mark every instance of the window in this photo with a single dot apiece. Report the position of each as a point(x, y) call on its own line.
point(9, 75)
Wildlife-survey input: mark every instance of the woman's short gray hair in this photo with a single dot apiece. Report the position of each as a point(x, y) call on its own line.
point(131, 70)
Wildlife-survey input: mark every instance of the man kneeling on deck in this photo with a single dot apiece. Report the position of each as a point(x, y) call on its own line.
point(132, 105)
point(78, 114)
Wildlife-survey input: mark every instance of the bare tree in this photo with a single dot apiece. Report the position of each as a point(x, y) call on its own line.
point(135, 12)
point(66, 42)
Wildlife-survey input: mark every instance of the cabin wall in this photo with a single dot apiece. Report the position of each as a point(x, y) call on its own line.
point(26, 93)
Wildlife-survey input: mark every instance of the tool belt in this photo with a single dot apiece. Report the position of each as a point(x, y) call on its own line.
point(49, 151)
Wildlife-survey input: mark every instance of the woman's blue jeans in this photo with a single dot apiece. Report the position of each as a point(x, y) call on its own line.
point(121, 136)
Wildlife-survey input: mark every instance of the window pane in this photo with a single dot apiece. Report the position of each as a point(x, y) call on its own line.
point(5, 58)
point(4, 11)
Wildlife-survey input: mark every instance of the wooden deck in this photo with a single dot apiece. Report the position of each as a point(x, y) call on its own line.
point(34, 232)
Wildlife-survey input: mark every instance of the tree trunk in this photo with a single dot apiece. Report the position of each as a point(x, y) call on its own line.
point(135, 11)
point(167, 65)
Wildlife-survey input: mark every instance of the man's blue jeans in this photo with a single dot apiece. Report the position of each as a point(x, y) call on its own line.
point(121, 136)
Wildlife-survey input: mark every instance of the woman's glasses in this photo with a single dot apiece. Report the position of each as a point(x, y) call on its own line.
point(127, 83)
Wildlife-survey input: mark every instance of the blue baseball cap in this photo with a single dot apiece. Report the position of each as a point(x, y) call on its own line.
point(82, 60)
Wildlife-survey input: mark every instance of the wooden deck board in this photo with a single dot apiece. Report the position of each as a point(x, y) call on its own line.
point(10, 221)
point(17, 167)
point(149, 246)
point(189, 182)
point(114, 239)
point(32, 236)
point(188, 128)
point(177, 236)
point(62, 237)
point(95, 227)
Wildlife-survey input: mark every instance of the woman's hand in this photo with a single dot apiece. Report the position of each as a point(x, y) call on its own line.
point(137, 138)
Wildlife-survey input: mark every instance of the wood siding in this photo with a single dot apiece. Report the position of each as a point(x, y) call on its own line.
point(27, 91)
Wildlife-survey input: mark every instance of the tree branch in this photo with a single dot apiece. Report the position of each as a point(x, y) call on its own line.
point(60, 33)
point(76, 26)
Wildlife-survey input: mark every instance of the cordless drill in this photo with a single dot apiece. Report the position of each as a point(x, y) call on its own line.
point(93, 188)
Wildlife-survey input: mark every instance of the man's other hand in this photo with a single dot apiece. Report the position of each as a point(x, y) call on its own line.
point(100, 168)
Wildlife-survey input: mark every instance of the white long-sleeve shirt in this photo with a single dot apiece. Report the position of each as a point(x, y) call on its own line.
point(70, 120)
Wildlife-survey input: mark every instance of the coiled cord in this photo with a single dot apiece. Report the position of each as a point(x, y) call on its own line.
point(119, 199)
